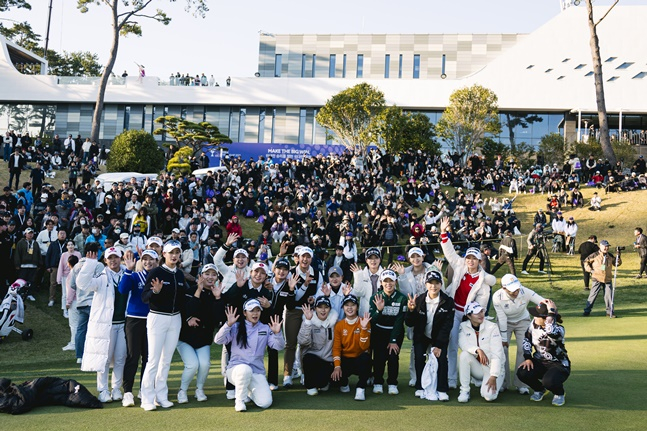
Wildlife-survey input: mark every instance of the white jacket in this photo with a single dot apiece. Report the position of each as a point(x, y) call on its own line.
point(570, 230)
point(45, 238)
point(407, 281)
point(228, 272)
point(558, 225)
point(97, 340)
point(481, 290)
point(513, 310)
point(363, 289)
point(489, 341)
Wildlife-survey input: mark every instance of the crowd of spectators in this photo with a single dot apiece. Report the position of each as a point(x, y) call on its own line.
point(199, 80)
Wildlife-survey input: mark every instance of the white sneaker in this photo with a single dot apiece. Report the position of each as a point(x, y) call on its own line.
point(164, 404)
point(182, 398)
point(412, 383)
point(344, 389)
point(464, 397)
point(287, 381)
point(129, 400)
point(240, 406)
point(523, 391)
point(116, 395)
point(524, 272)
point(31, 298)
point(542, 272)
point(105, 396)
point(296, 372)
point(231, 394)
point(325, 388)
point(312, 392)
point(420, 393)
point(393, 390)
point(378, 389)
point(273, 387)
point(50, 303)
point(149, 407)
point(442, 396)
point(66, 314)
point(359, 395)
point(200, 396)
point(79, 360)
point(69, 346)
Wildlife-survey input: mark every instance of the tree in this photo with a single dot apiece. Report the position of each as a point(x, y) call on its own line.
point(5, 5)
point(605, 139)
point(180, 163)
point(125, 23)
point(186, 133)
point(519, 120)
point(135, 151)
point(552, 148)
point(353, 116)
point(471, 114)
point(402, 131)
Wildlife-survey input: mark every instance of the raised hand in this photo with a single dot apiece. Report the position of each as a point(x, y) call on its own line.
point(265, 303)
point(275, 324)
point(156, 285)
point(241, 280)
point(232, 317)
point(397, 267)
point(346, 289)
point(91, 255)
point(411, 303)
point(129, 260)
point(355, 268)
point(364, 321)
point(326, 289)
point(379, 302)
point(217, 289)
point(438, 264)
point(307, 311)
point(283, 250)
point(444, 224)
point(232, 238)
point(292, 282)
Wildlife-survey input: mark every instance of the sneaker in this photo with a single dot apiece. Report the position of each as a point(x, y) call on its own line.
point(541, 272)
point(66, 314)
point(231, 394)
point(344, 389)
point(538, 395)
point(69, 346)
point(105, 396)
point(463, 397)
point(586, 314)
point(287, 381)
point(302, 380)
point(378, 389)
point(412, 383)
point(453, 384)
point(559, 400)
point(393, 390)
point(638, 276)
point(31, 298)
point(523, 391)
point(50, 303)
point(273, 387)
point(296, 372)
point(442, 396)
point(312, 392)
point(182, 398)
point(360, 395)
point(116, 395)
point(612, 316)
point(240, 406)
point(199, 395)
point(129, 400)
point(419, 393)
point(149, 407)
point(79, 360)
point(164, 404)
point(524, 272)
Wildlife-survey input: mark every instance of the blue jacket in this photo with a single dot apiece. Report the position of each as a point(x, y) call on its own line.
point(132, 284)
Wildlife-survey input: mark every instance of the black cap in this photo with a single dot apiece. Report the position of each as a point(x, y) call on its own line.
point(373, 252)
point(433, 275)
point(539, 311)
point(282, 262)
point(351, 298)
point(322, 300)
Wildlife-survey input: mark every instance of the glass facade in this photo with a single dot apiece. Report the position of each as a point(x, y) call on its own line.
point(360, 66)
point(278, 63)
point(332, 65)
point(416, 66)
point(387, 65)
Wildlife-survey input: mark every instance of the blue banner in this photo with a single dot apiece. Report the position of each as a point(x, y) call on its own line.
point(278, 152)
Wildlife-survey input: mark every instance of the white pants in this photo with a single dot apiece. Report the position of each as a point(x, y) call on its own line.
point(452, 350)
point(277, 236)
point(195, 361)
point(519, 331)
point(73, 321)
point(116, 357)
point(64, 293)
point(471, 367)
point(163, 332)
point(250, 385)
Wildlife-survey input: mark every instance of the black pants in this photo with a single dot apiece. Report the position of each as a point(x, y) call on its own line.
point(14, 174)
point(643, 264)
point(137, 347)
point(545, 375)
point(587, 275)
point(419, 349)
point(531, 253)
point(316, 371)
point(504, 261)
point(272, 366)
point(360, 366)
point(380, 339)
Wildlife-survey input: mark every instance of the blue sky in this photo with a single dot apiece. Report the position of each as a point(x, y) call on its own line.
point(226, 41)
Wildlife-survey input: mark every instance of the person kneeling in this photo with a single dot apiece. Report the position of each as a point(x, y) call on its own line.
point(351, 343)
point(482, 357)
point(316, 340)
point(249, 339)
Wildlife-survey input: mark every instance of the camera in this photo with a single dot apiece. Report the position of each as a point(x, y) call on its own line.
point(620, 248)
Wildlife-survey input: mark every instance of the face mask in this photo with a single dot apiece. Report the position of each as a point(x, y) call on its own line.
point(117, 230)
point(43, 200)
point(83, 222)
point(95, 231)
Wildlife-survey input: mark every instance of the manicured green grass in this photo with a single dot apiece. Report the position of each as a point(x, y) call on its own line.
point(605, 390)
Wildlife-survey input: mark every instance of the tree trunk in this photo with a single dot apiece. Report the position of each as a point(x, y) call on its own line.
point(103, 83)
point(605, 140)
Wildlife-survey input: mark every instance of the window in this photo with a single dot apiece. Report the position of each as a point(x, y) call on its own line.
point(360, 66)
point(548, 70)
point(126, 117)
point(416, 66)
point(314, 64)
point(560, 77)
point(640, 75)
point(613, 78)
point(343, 70)
point(589, 74)
point(261, 125)
point(387, 65)
point(183, 112)
point(610, 59)
point(278, 60)
point(302, 126)
point(530, 66)
point(625, 65)
point(579, 66)
point(400, 67)
point(331, 66)
point(565, 60)
point(241, 124)
point(303, 65)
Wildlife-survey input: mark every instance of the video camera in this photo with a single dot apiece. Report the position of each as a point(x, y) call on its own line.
point(619, 249)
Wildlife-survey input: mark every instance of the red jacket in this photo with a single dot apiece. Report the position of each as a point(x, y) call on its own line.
point(234, 228)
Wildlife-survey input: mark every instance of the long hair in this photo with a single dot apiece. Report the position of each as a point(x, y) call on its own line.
point(241, 336)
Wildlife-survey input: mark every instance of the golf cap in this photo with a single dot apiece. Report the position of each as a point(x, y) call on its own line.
point(510, 283)
point(154, 240)
point(305, 250)
point(78, 201)
point(350, 298)
point(373, 252)
point(415, 250)
point(432, 276)
point(251, 304)
point(282, 263)
point(150, 253)
point(124, 235)
point(322, 300)
point(388, 273)
point(473, 251)
point(172, 245)
point(259, 265)
point(175, 230)
point(29, 230)
point(605, 243)
point(207, 267)
point(335, 270)
point(241, 251)
point(473, 308)
point(112, 251)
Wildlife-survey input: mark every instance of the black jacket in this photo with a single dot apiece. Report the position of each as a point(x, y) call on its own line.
point(586, 249)
point(209, 312)
point(236, 297)
point(169, 300)
point(443, 320)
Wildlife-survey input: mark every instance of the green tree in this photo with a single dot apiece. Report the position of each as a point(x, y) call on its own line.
point(490, 148)
point(352, 116)
point(471, 114)
point(76, 63)
point(125, 16)
point(135, 151)
point(186, 133)
point(553, 148)
point(624, 151)
point(519, 120)
point(402, 131)
point(180, 163)
point(5, 5)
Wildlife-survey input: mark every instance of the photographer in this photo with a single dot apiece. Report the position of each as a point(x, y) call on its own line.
point(641, 246)
point(600, 264)
point(535, 247)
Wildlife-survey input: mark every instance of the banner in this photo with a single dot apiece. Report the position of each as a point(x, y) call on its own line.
point(278, 152)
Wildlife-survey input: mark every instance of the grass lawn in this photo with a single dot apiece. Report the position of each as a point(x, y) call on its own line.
point(603, 391)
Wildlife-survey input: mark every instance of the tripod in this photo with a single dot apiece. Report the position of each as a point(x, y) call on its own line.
point(613, 284)
point(541, 251)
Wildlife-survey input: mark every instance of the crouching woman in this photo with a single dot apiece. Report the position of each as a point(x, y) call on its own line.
point(249, 339)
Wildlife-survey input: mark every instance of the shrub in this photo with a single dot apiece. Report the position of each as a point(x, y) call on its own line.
point(135, 151)
point(180, 163)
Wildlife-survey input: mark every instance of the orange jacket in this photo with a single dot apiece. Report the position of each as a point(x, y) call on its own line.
point(350, 341)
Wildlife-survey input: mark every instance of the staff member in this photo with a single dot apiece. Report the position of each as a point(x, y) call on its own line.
point(510, 304)
point(586, 249)
point(600, 264)
point(549, 366)
point(507, 253)
point(641, 247)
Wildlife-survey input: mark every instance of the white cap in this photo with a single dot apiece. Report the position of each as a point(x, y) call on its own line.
point(112, 251)
point(305, 250)
point(259, 265)
point(473, 251)
point(154, 240)
point(510, 283)
point(241, 251)
point(415, 250)
point(250, 304)
point(172, 245)
point(388, 273)
point(150, 253)
point(124, 235)
point(473, 308)
point(207, 267)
